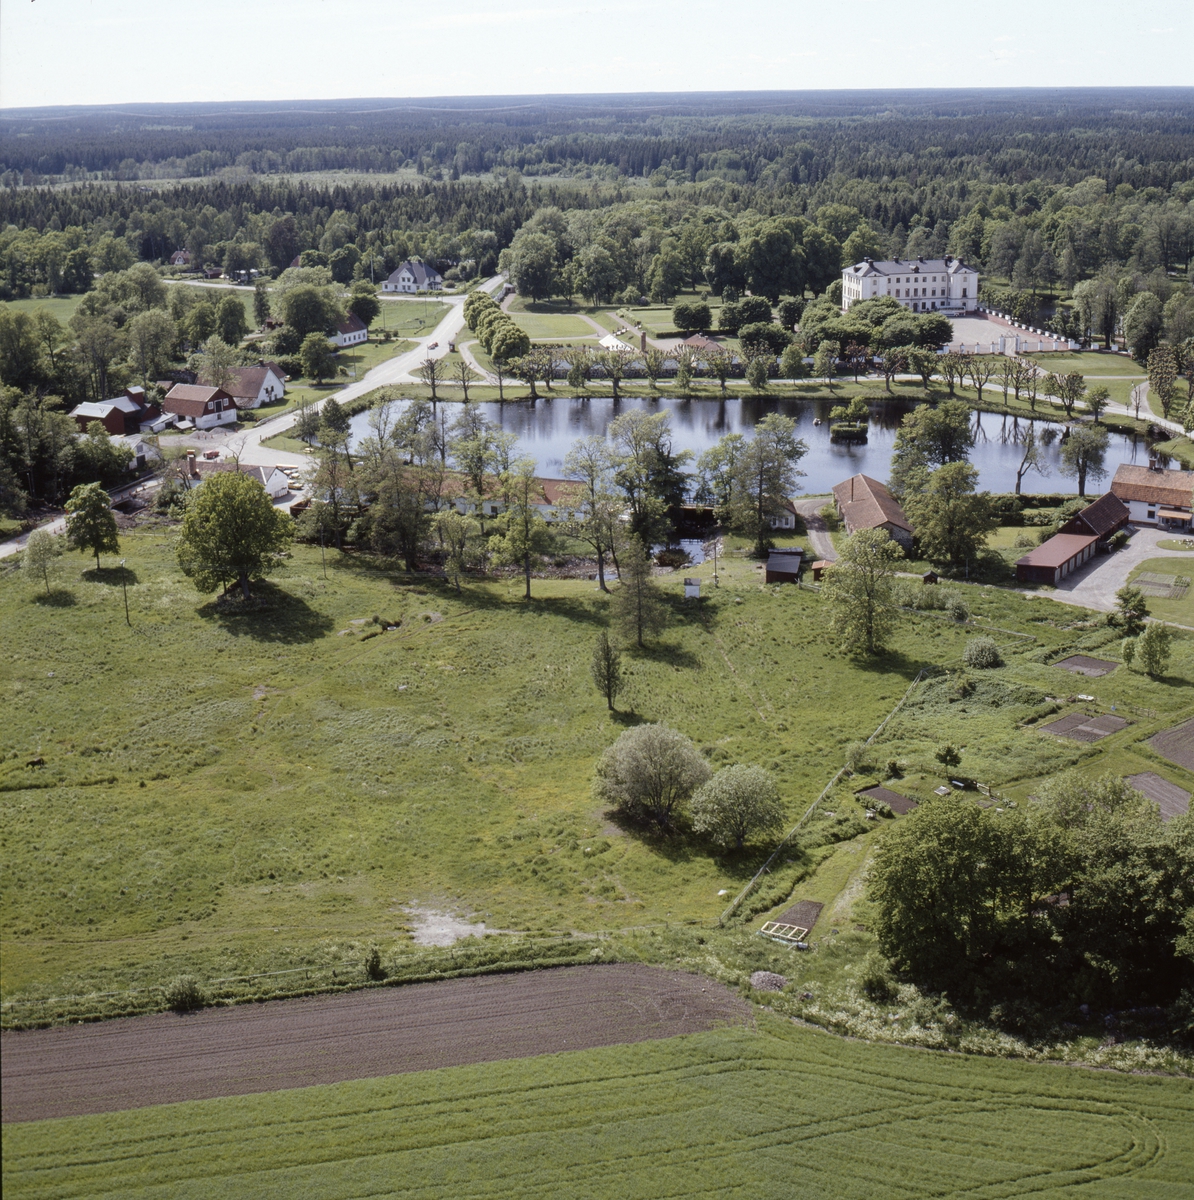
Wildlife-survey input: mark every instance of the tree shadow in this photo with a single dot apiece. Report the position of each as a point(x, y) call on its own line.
point(57, 598)
point(627, 719)
point(677, 846)
point(270, 615)
point(666, 653)
point(889, 662)
point(112, 576)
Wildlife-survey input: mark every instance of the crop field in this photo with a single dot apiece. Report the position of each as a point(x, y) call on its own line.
point(225, 793)
point(779, 1112)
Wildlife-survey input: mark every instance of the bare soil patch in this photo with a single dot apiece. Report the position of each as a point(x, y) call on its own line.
point(1177, 745)
point(803, 913)
point(1172, 800)
point(1078, 727)
point(1083, 664)
point(164, 1058)
point(897, 803)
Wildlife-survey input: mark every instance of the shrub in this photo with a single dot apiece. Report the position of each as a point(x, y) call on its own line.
point(183, 994)
point(982, 653)
point(737, 802)
point(1024, 541)
point(373, 968)
point(649, 773)
point(1127, 650)
point(957, 607)
point(875, 979)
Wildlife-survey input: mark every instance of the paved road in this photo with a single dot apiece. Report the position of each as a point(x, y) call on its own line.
point(1096, 584)
point(399, 369)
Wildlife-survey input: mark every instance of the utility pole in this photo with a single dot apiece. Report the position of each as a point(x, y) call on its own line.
point(124, 583)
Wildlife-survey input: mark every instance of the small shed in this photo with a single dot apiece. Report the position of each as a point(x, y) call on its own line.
point(783, 565)
point(929, 577)
point(819, 568)
point(692, 589)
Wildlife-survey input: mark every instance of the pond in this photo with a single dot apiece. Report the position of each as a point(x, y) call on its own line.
point(546, 429)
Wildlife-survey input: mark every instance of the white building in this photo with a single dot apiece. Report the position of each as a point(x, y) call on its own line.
point(414, 277)
point(350, 332)
point(922, 284)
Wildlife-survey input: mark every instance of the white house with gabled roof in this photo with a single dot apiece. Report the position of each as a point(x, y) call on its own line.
point(414, 277)
point(920, 284)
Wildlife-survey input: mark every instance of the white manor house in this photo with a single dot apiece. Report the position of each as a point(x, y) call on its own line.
point(922, 284)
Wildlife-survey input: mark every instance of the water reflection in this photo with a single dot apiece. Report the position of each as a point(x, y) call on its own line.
point(546, 429)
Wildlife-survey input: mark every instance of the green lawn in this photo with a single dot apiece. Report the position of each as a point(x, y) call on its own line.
point(1180, 611)
point(409, 318)
point(777, 1112)
point(557, 326)
point(62, 307)
point(1091, 363)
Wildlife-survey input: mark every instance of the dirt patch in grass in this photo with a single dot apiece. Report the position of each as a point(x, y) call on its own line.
point(1078, 727)
point(1177, 745)
point(1082, 664)
point(803, 913)
point(897, 803)
point(161, 1059)
point(1171, 799)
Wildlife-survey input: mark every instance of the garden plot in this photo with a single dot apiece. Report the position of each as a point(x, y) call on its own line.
point(1177, 745)
point(803, 913)
point(1164, 587)
point(162, 1059)
point(1083, 664)
point(897, 803)
point(1078, 727)
point(1172, 800)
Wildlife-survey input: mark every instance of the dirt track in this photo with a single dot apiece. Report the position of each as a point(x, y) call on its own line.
point(164, 1058)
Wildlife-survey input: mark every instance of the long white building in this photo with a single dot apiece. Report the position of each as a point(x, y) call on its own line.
point(922, 284)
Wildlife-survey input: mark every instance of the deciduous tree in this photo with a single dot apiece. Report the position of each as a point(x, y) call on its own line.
point(858, 590)
point(40, 551)
point(525, 536)
point(637, 605)
point(950, 520)
point(90, 525)
point(231, 533)
point(1083, 454)
point(606, 669)
point(649, 774)
point(737, 803)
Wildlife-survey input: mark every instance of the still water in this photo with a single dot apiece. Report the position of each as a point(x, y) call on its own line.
point(546, 429)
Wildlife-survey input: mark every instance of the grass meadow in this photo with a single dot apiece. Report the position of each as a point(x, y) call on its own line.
point(774, 1112)
point(226, 793)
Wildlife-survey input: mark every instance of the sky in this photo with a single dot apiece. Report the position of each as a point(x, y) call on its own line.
point(121, 51)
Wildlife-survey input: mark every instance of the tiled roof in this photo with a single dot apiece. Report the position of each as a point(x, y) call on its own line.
point(1058, 550)
point(867, 504)
point(1102, 517)
point(1154, 487)
point(910, 266)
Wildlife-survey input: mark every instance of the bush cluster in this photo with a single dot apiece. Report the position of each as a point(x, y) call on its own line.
point(982, 653)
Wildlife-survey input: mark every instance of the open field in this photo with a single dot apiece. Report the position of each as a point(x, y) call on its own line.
point(779, 1112)
point(409, 318)
point(158, 1059)
point(62, 307)
point(226, 794)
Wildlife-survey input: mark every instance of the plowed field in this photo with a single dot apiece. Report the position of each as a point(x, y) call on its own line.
point(165, 1058)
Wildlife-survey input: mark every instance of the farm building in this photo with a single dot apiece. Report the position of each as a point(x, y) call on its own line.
point(414, 277)
point(251, 387)
point(1105, 517)
point(864, 503)
point(1155, 495)
point(783, 565)
point(203, 407)
point(120, 415)
point(350, 332)
point(1053, 560)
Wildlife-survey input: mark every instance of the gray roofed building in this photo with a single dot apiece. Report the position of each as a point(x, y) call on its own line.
point(414, 276)
point(920, 284)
